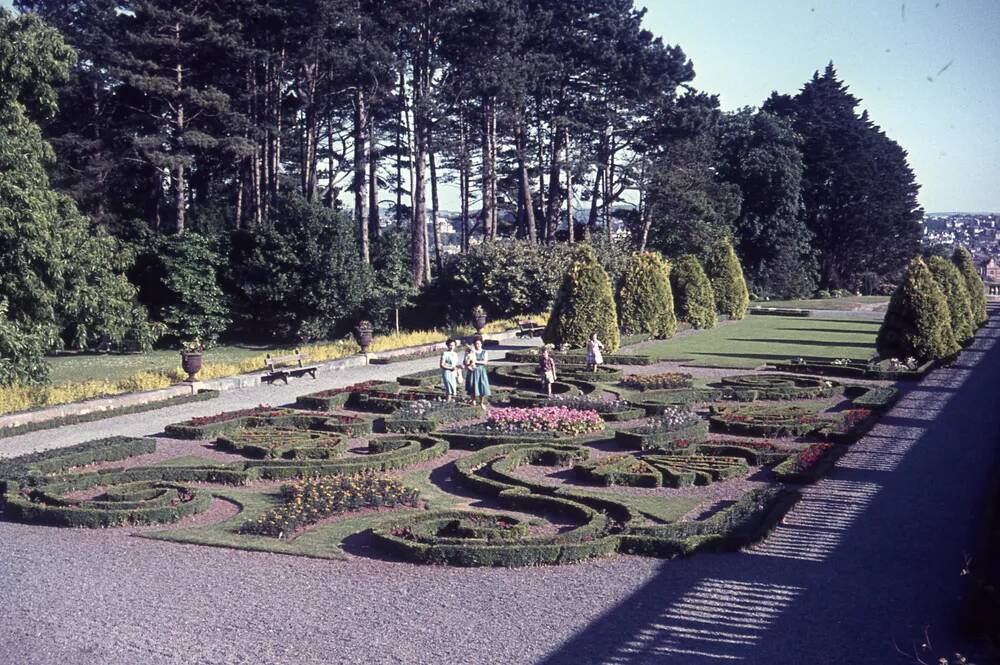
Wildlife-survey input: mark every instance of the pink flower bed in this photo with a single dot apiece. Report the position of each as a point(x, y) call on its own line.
point(545, 419)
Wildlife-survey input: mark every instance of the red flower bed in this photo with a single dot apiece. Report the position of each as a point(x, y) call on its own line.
point(261, 411)
point(354, 388)
point(808, 458)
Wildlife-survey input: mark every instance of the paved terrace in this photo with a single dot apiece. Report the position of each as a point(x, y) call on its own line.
point(867, 566)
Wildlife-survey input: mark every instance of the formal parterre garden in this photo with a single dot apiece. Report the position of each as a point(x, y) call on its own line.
point(624, 458)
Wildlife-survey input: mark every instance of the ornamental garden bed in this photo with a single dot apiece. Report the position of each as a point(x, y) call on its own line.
point(425, 416)
point(230, 421)
point(771, 421)
point(611, 410)
point(338, 397)
point(662, 470)
point(662, 381)
point(810, 464)
point(525, 425)
point(781, 386)
point(676, 429)
point(886, 370)
point(271, 442)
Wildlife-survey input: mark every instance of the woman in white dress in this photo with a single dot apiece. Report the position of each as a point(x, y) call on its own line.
point(595, 357)
point(449, 367)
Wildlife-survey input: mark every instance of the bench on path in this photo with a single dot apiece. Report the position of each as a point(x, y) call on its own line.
point(283, 367)
point(529, 329)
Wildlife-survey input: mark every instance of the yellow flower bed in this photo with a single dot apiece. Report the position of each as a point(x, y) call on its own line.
point(19, 398)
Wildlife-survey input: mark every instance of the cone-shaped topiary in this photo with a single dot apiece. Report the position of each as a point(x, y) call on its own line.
point(694, 300)
point(585, 304)
point(645, 299)
point(977, 291)
point(952, 284)
point(726, 274)
point(917, 323)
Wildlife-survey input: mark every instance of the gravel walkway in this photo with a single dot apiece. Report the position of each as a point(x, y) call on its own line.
point(872, 555)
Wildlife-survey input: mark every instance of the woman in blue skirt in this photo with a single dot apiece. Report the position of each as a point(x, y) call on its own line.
point(479, 384)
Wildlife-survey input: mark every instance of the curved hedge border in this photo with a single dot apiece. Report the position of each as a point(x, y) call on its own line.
point(138, 502)
point(767, 421)
point(28, 469)
point(271, 442)
point(782, 386)
point(335, 398)
point(518, 378)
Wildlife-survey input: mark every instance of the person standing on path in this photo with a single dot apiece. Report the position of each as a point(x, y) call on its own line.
point(547, 369)
point(595, 357)
point(468, 363)
point(449, 369)
point(479, 383)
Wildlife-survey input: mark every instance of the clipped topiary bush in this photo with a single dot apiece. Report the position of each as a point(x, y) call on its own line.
point(977, 291)
point(694, 299)
point(584, 305)
point(951, 282)
point(645, 299)
point(726, 274)
point(917, 323)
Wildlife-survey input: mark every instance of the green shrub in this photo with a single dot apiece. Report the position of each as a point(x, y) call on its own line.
point(977, 291)
point(956, 293)
point(584, 305)
point(726, 274)
point(917, 323)
point(694, 298)
point(645, 300)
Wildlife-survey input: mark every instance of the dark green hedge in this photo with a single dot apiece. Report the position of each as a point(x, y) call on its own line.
point(694, 433)
point(56, 460)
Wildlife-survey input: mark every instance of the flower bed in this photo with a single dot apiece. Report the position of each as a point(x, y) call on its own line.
point(687, 470)
point(663, 381)
point(282, 443)
point(767, 420)
point(325, 400)
point(809, 464)
point(677, 428)
point(308, 501)
point(426, 415)
point(890, 369)
point(386, 401)
point(782, 386)
point(619, 470)
point(753, 451)
point(613, 410)
point(205, 427)
point(558, 419)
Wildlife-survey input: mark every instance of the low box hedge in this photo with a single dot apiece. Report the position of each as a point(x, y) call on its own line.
point(827, 456)
point(780, 386)
point(335, 398)
point(111, 449)
point(621, 470)
point(779, 311)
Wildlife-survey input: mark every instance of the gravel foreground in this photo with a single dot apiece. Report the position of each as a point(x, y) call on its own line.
point(863, 570)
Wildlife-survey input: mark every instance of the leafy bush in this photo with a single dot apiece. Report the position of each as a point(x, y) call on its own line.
point(918, 322)
point(22, 353)
point(694, 299)
point(584, 305)
point(300, 279)
point(956, 293)
point(177, 277)
point(645, 300)
point(977, 291)
point(724, 271)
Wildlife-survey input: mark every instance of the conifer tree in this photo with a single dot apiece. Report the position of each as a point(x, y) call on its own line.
point(977, 291)
point(726, 274)
point(694, 300)
point(584, 305)
point(917, 323)
point(951, 282)
point(645, 300)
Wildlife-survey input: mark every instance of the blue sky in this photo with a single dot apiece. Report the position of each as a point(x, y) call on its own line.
point(890, 54)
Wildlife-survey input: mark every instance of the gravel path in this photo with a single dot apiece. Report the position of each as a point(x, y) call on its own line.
point(871, 556)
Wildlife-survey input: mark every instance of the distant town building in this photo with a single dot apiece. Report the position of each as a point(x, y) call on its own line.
point(989, 269)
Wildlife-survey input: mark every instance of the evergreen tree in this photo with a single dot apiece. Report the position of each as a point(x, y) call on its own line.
point(59, 276)
point(917, 323)
point(726, 274)
point(694, 299)
point(977, 290)
point(584, 305)
point(645, 300)
point(956, 293)
point(761, 154)
point(859, 193)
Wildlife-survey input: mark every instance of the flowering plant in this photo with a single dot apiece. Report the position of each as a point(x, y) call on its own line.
point(310, 500)
point(672, 418)
point(558, 419)
point(584, 403)
point(808, 457)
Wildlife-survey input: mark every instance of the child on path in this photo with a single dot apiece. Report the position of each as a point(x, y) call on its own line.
point(594, 356)
point(547, 369)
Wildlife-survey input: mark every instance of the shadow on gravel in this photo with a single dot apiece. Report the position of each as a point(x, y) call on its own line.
point(865, 569)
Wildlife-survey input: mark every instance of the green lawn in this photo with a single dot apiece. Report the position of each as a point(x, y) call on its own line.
point(848, 304)
point(112, 367)
point(760, 339)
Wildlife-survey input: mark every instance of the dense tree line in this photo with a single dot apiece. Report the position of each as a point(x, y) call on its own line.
point(295, 153)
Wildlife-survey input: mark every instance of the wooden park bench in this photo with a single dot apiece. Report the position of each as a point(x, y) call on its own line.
point(283, 367)
point(530, 329)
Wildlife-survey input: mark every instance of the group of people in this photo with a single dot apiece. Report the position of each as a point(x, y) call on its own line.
point(471, 372)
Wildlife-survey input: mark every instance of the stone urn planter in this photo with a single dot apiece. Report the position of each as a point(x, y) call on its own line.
point(478, 320)
point(364, 332)
point(191, 363)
